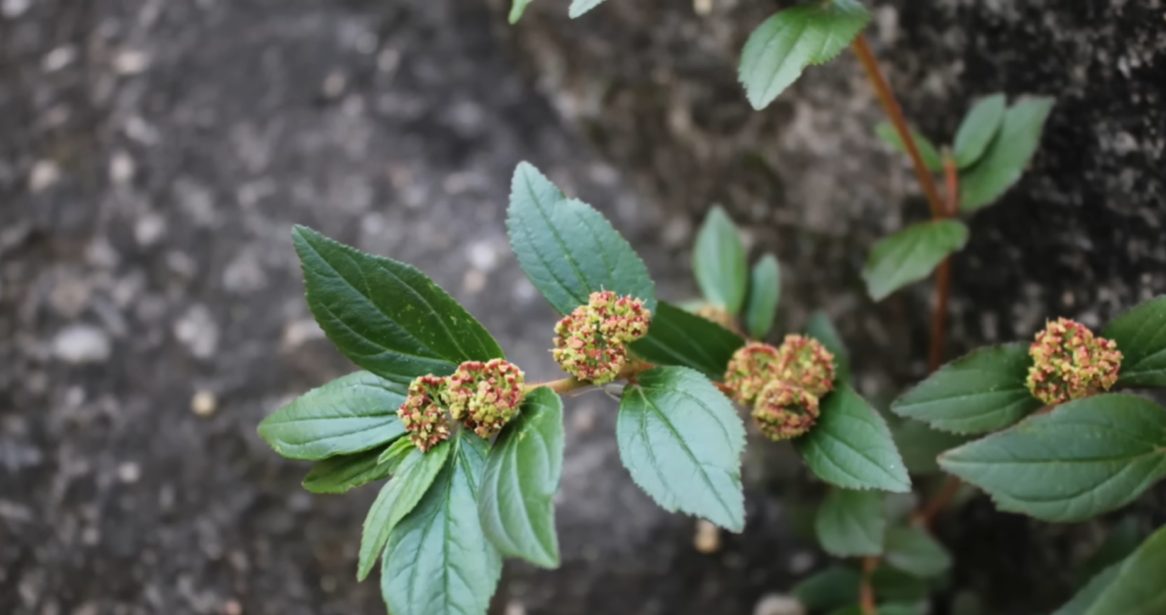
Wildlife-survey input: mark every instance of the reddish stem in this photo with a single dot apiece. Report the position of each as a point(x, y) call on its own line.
point(866, 593)
point(895, 114)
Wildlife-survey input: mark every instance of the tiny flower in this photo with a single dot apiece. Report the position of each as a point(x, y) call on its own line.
point(485, 396)
point(805, 362)
point(753, 366)
point(1069, 362)
point(717, 314)
point(422, 414)
point(785, 411)
point(591, 341)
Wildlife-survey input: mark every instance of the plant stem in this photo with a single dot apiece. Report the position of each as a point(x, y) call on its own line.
point(566, 385)
point(935, 505)
point(866, 594)
point(895, 113)
point(943, 272)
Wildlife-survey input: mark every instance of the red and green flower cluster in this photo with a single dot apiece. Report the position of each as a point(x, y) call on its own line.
point(591, 342)
point(482, 396)
point(783, 384)
point(1070, 362)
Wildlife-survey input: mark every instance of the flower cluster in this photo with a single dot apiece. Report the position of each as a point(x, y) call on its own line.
point(785, 410)
point(481, 396)
point(1069, 362)
point(783, 383)
point(751, 368)
point(591, 342)
point(485, 396)
point(422, 413)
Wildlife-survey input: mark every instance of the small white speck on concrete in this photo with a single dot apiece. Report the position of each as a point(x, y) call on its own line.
point(58, 58)
point(473, 281)
point(198, 331)
point(483, 254)
point(121, 168)
point(204, 403)
point(131, 62)
point(81, 344)
point(129, 472)
point(298, 332)
point(44, 175)
point(776, 604)
point(149, 229)
point(707, 538)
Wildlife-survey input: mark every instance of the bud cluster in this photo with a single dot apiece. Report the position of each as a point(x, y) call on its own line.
point(1070, 362)
point(485, 396)
point(482, 396)
point(783, 383)
point(591, 342)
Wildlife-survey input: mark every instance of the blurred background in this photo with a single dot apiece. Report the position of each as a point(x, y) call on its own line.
point(155, 153)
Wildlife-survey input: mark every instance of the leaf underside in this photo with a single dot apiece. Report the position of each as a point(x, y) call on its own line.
point(785, 44)
point(567, 248)
point(718, 262)
point(523, 468)
point(350, 414)
point(851, 446)
point(681, 440)
point(438, 559)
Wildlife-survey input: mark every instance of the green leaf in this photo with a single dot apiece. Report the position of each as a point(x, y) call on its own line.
point(350, 414)
point(785, 44)
point(679, 338)
point(927, 150)
point(914, 551)
point(820, 328)
point(1089, 594)
point(851, 523)
point(920, 446)
point(1007, 155)
point(579, 7)
point(1087, 457)
point(386, 316)
point(1138, 588)
point(718, 261)
point(828, 589)
point(1141, 336)
point(517, 8)
point(438, 559)
point(911, 254)
point(567, 249)
point(980, 392)
point(893, 584)
point(977, 129)
point(764, 293)
point(681, 440)
point(851, 446)
point(396, 499)
point(516, 504)
point(346, 472)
